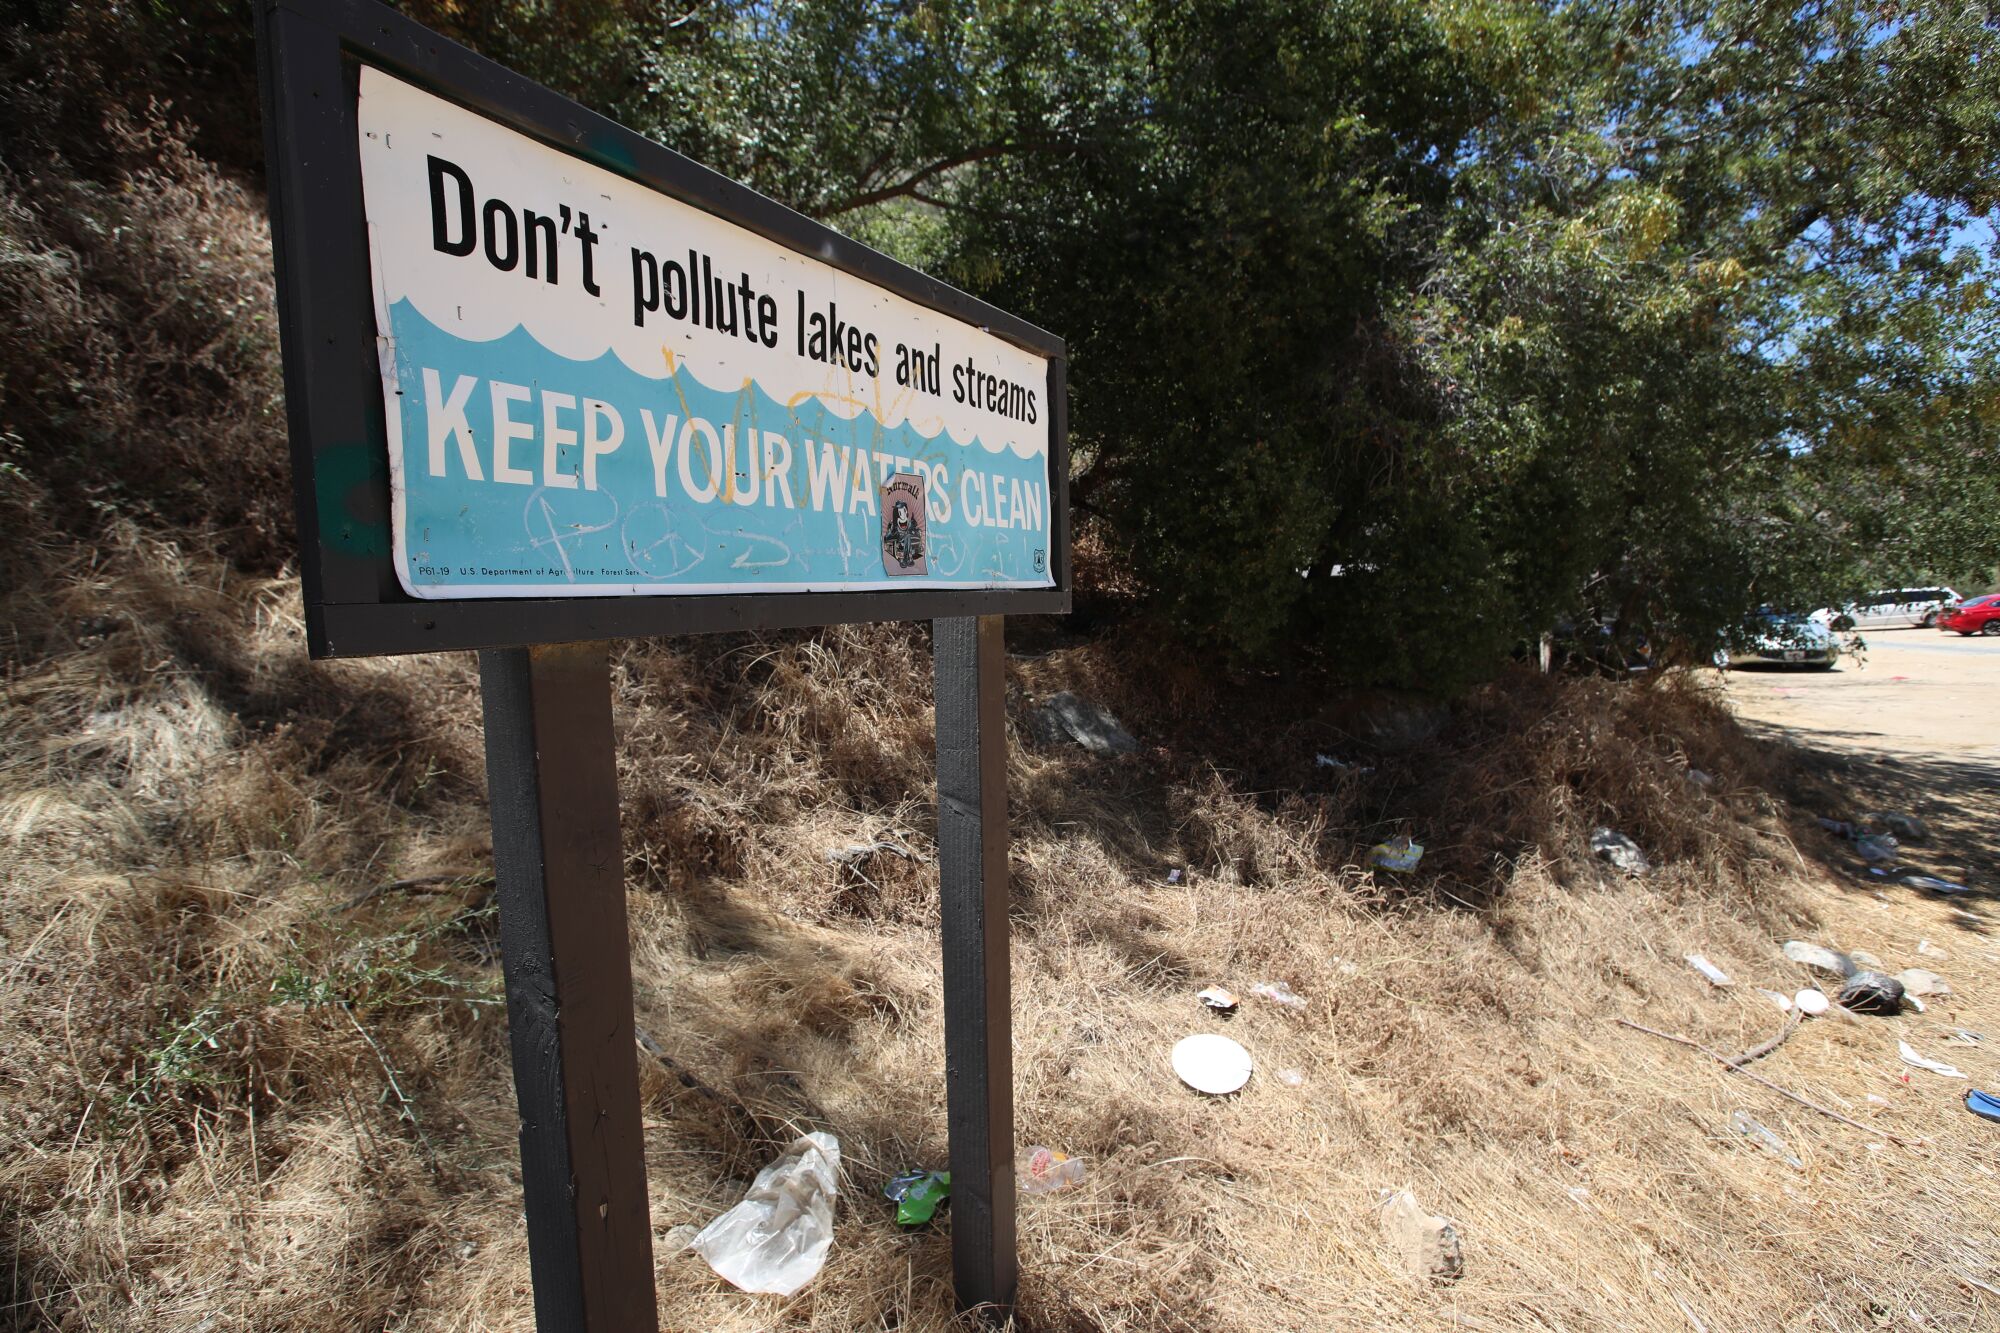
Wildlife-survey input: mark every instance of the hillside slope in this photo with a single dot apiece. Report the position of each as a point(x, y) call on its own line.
point(254, 1067)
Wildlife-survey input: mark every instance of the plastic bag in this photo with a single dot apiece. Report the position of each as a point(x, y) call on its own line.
point(1043, 1170)
point(1399, 853)
point(917, 1195)
point(776, 1239)
point(1277, 992)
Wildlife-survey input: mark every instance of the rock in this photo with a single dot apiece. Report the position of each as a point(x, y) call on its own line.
point(1813, 955)
point(1903, 826)
point(1921, 981)
point(1065, 717)
point(1427, 1245)
point(1619, 850)
point(1872, 993)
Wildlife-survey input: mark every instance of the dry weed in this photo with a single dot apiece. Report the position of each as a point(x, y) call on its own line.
point(242, 1087)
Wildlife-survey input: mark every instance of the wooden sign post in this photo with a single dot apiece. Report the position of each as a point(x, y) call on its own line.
point(551, 384)
point(971, 683)
point(559, 867)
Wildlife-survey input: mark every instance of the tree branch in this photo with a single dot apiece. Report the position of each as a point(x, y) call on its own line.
point(909, 184)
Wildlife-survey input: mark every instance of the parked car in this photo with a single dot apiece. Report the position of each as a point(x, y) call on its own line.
point(1792, 638)
point(1981, 615)
point(1894, 608)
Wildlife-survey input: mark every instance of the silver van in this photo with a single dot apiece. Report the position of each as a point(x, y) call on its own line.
point(1895, 608)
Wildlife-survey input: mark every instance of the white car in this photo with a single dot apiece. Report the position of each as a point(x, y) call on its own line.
point(1783, 637)
point(1900, 608)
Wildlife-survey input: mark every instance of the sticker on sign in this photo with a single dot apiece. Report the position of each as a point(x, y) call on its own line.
point(594, 389)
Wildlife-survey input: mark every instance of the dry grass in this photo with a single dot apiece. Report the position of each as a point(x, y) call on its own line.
point(205, 1053)
point(200, 1041)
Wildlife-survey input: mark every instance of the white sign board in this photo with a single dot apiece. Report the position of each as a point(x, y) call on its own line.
point(596, 390)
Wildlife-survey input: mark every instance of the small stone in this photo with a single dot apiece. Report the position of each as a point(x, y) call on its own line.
point(1065, 717)
point(1922, 981)
point(1816, 956)
point(1902, 826)
point(1426, 1244)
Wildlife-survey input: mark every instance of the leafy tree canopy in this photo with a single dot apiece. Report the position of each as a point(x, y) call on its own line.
point(1401, 330)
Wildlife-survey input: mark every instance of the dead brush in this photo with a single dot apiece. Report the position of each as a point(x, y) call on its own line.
point(247, 1083)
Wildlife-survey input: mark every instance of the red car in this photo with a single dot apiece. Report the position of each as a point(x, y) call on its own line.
point(1981, 615)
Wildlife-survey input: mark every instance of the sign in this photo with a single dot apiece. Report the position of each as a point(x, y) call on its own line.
point(593, 389)
point(550, 384)
point(549, 381)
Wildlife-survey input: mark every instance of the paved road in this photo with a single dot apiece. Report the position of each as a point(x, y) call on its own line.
point(1911, 693)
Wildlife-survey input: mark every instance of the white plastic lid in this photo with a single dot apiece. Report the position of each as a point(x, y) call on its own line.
point(1212, 1064)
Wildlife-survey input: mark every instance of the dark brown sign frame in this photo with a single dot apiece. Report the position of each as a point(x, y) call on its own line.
point(311, 53)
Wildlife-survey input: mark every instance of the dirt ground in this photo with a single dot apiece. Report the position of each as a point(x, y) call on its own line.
point(1914, 718)
point(1908, 693)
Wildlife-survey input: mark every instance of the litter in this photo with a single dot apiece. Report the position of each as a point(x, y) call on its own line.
point(1965, 1037)
point(1218, 997)
point(1699, 778)
point(1173, 876)
point(1042, 1170)
point(1341, 765)
point(1872, 993)
point(1716, 976)
point(1292, 1078)
point(1920, 981)
point(1212, 1064)
point(1427, 1245)
point(1779, 998)
point(1929, 950)
point(1619, 850)
point(917, 1195)
point(1934, 884)
point(1813, 955)
point(861, 851)
point(1277, 992)
point(1910, 1057)
point(775, 1241)
point(1810, 1001)
point(1762, 1136)
point(1880, 848)
point(1401, 853)
point(1839, 828)
point(1982, 1104)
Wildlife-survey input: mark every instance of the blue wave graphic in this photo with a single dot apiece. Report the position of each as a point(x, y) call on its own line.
point(606, 481)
